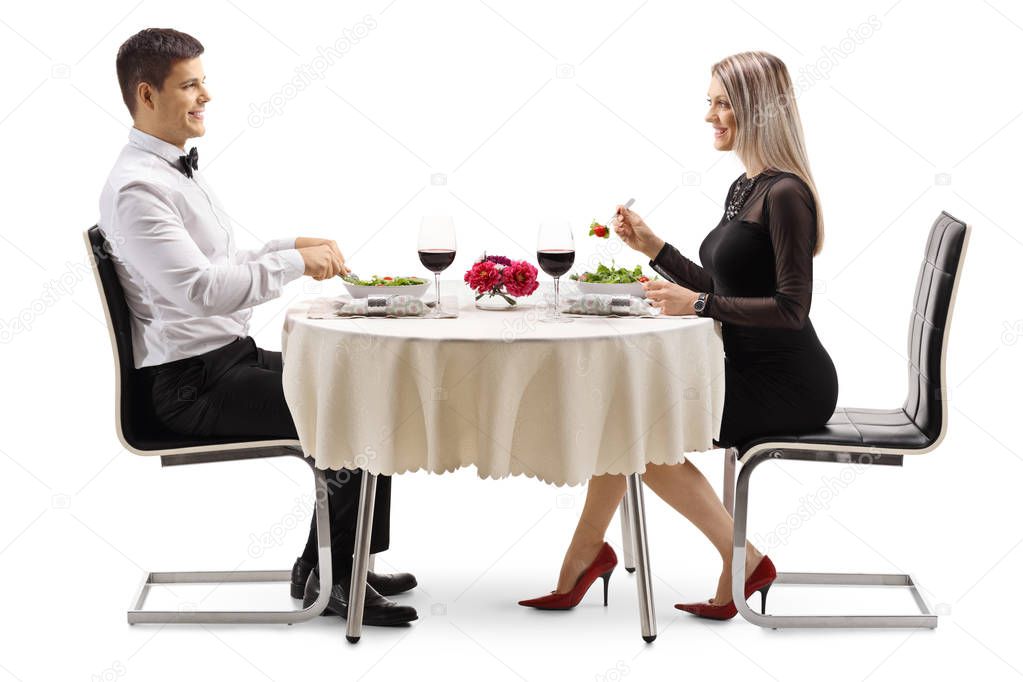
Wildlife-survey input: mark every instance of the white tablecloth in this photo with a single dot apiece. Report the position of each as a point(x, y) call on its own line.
point(503, 392)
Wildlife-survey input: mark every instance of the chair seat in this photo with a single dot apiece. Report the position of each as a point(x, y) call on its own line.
point(857, 427)
point(172, 441)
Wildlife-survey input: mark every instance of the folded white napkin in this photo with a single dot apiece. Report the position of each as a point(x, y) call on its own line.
point(610, 305)
point(383, 306)
point(373, 306)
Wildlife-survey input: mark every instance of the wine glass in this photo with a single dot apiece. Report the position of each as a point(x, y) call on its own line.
point(437, 250)
point(555, 253)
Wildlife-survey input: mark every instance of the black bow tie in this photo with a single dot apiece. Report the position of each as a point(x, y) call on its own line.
point(189, 162)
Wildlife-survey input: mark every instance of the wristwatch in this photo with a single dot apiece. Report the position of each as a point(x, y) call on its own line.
point(700, 304)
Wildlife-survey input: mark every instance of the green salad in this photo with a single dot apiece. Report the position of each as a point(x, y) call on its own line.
point(377, 281)
point(611, 275)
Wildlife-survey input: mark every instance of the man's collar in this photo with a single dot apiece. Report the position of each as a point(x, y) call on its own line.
point(165, 150)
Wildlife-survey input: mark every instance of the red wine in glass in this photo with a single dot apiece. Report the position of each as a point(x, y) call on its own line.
point(555, 253)
point(437, 246)
point(555, 262)
point(436, 260)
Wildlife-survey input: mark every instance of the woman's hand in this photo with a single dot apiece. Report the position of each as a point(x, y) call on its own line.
point(672, 299)
point(635, 233)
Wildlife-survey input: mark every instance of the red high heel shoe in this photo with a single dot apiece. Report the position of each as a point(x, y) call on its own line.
point(760, 580)
point(601, 567)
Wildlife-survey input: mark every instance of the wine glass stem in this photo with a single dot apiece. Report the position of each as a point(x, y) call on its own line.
point(557, 298)
point(436, 277)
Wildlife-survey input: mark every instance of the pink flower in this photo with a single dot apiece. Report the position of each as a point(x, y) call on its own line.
point(500, 260)
point(483, 277)
point(519, 278)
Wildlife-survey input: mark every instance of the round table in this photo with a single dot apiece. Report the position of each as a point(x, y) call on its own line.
point(503, 392)
point(506, 393)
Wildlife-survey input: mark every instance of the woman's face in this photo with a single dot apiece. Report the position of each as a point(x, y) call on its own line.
point(720, 115)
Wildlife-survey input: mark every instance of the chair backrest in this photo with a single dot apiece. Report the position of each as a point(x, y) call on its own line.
point(137, 426)
point(929, 325)
point(135, 421)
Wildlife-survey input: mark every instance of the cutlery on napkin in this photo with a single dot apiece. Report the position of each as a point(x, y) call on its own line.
point(609, 305)
point(373, 306)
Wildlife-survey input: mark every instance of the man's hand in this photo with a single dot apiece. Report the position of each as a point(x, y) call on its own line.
point(321, 262)
point(323, 259)
point(672, 299)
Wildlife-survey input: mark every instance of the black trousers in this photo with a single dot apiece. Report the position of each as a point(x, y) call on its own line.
point(236, 390)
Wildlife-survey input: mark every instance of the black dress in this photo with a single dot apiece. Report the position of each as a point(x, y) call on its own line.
point(758, 270)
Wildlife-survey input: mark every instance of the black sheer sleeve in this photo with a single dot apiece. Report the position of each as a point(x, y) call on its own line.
point(791, 219)
point(671, 263)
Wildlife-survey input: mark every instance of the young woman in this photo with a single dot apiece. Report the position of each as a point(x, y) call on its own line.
point(756, 279)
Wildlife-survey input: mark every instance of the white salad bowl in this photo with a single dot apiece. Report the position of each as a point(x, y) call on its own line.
point(360, 291)
point(631, 289)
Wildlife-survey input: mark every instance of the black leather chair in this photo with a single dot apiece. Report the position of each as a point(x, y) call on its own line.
point(141, 433)
point(867, 436)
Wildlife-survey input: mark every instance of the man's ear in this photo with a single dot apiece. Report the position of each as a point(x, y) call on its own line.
point(144, 95)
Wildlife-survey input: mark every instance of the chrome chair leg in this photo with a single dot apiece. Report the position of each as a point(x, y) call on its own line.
point(925, 619)
point(137, 614)
point(360, 563)
point(628, 550)
point(728, 486)
point(637, 518)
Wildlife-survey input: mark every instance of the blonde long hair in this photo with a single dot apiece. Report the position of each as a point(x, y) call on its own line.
point(766, 118)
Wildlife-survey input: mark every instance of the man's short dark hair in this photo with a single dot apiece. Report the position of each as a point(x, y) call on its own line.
point(148, 57)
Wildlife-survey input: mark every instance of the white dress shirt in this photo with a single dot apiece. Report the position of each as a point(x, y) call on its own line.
point(188, 287)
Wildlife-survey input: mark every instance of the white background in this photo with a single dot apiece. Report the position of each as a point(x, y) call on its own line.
point(524, 110)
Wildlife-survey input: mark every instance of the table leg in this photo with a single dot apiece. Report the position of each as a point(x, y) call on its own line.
point(637, 522)
point(728, 485)
point(628, 550)
point(360, 562)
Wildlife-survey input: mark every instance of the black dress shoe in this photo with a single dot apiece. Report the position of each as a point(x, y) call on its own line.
point(387, 584)
point(378, 610)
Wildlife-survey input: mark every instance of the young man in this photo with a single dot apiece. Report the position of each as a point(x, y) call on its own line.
point(190, 290)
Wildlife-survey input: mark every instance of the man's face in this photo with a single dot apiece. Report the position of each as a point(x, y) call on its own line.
point(177, 109)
